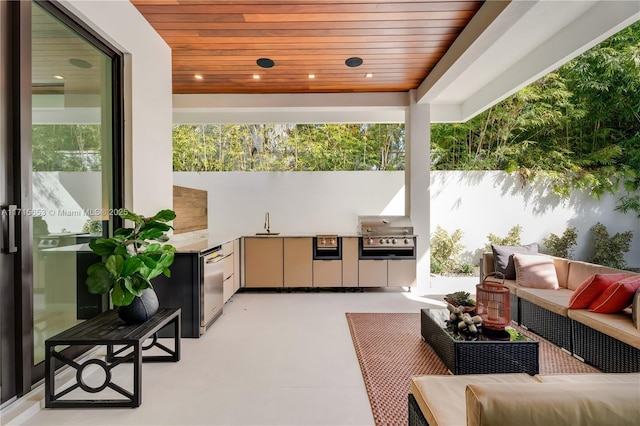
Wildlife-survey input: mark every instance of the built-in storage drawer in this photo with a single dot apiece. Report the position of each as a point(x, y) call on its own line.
point(327, 273)
point(227, 266)
point(227, 288)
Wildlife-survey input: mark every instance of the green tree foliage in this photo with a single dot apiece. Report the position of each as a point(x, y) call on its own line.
point(511, 239)
point(284, 147)
point(609, 251)
point(562, 246)
point(578, 126)
point(66, 147)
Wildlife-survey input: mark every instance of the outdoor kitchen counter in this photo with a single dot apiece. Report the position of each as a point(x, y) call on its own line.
point(199, 245)
point(302, 260)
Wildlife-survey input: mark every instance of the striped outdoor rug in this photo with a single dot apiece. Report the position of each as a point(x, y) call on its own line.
point(390, 349)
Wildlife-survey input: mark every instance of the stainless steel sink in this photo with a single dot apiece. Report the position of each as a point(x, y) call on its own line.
point(267, 233)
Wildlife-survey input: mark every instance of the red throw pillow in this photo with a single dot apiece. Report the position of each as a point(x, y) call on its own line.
point(617, 296)
point(591, 288)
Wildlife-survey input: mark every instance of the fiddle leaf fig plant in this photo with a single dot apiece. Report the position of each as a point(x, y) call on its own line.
point(132, 257)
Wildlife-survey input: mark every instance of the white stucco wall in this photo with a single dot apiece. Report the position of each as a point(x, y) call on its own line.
point(148, 99)
point(297, 202)
point(478, 203)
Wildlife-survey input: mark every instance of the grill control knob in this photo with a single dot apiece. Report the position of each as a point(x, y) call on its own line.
point(332, 242)
point(323, 241)
point(394, 241)
point(406, 241)
point(370, 241)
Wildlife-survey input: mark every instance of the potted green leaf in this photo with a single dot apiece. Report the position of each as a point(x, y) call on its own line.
point(461, 298)
point(130, 260)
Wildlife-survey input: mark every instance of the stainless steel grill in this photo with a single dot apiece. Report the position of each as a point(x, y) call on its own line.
point(386, 233)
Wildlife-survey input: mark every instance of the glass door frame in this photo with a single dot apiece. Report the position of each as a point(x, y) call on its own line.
point(17, 306)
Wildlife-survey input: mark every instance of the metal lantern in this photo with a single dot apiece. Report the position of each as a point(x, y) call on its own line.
point(493, 305)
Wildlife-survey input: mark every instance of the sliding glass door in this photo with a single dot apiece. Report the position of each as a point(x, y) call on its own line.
point(63, 153)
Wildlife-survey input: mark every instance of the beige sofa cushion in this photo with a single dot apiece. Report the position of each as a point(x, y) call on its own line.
point(580, 271)
point(440, 398)
point(535, 271)
point(590, 378)
point(552, 300)
point(553, 404)
point(562, 270)
point(561, 265)
point(619, 326)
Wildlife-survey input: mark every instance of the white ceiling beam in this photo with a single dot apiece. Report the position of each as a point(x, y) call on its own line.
point(524, 42)
point(290, 108)
point(598, 23)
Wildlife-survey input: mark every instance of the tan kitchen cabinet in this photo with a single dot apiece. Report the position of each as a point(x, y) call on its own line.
point(401, 273)
point(298, 262)
point(372, 273)
point(327, 273)
point(349, 261)
point(263, 262)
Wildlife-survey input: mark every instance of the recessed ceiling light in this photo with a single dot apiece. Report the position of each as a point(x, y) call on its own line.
point(58, 77)
point(80, 63)
point(256, 77)
point(265, 63)
point(353, 62)
point(198, 77)
point(312, 76)
point(368, 75)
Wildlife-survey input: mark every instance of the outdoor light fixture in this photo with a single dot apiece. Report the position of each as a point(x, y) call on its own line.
point(312, 76)
point(58, 77)
point(353, 62)
point(368, 75)
point(256, 77)
point(265, 63)
point(198, 77)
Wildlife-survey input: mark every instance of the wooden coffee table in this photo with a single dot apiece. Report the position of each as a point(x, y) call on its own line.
point(479, 356)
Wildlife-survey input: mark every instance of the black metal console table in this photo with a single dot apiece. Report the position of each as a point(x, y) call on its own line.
point(124, 343)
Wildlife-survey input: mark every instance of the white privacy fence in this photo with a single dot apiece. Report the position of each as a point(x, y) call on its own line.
point(478, 203)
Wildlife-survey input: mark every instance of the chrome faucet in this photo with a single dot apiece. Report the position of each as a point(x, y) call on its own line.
point(267, 226)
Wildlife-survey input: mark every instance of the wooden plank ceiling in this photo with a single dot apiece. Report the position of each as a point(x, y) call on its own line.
point(399, 42)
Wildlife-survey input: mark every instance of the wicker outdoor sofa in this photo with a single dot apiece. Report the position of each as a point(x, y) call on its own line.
point(608, 341)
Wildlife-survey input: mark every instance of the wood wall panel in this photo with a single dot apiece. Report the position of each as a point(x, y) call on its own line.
point(190, 206)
